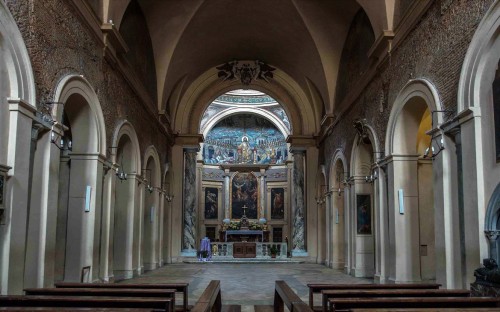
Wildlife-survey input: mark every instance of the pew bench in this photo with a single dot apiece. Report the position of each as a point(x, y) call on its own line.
point(179, 287)
point(285, 296)
point(429, 310)
point(210, 300)
point(316, 288)
point(157, 304)
point(106, 292)
point(349, 293)
point(348, 304)
point(73, 309)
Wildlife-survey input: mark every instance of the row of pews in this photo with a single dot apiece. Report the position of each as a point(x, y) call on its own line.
point(393, 297)
point(112, 297)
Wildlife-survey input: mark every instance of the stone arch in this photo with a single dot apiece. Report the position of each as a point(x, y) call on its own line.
point(304, 113)
point(80, 175)
point(15, 60)
point(477, 70)
point(412, 184)
point(362, 193)
point(256, 111)
point(152, 210)
point(16, 83)
point(76, 85)
point(415, 88)
point(478, 134)
point(127, 214)
point(338, 172)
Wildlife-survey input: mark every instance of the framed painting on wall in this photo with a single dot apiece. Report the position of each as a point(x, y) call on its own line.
point(277, 203)
point(244, 193)
point(363, 214)
point(211, 203)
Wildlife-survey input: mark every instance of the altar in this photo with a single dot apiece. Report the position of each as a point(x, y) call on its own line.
point(244, 236)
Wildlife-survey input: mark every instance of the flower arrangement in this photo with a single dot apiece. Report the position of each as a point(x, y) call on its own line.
point(235, 225)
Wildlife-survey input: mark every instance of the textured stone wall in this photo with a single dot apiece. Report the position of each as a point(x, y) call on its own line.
point(434, 50)
point(59, 44)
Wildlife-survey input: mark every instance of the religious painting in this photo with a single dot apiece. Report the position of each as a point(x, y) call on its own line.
point(278, 203)
point(364, 217)
point(2, 178)
point(211, 202)
point(245, 139)
point(244, 196)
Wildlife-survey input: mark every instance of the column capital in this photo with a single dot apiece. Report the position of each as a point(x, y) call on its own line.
point(492, 235)
point(301, 142)
point(189, 141)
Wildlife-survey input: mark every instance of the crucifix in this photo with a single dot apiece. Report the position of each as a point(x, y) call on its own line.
point(244, 210)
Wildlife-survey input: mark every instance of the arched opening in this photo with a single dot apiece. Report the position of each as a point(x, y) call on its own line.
point(125, 210)
point(362, 209)
point(79, 197)
point(337, 177)
point(151, 217)
point(414, 233)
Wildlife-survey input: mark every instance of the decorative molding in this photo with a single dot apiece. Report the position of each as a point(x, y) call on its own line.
point(245, 71)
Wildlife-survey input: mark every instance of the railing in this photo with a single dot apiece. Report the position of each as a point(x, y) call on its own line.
point(263, 250)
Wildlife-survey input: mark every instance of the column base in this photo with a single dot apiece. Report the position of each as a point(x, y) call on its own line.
point(188, 253)
point(299, 253)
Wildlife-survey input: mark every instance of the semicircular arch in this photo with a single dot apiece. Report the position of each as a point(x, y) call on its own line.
point(303, 114)
point(125, 128)
point(71, 85)
point(415, 89)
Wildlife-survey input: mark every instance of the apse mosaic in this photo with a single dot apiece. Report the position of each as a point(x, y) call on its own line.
point(244, 139)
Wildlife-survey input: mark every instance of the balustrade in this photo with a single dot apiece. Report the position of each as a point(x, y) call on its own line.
point(225, 250)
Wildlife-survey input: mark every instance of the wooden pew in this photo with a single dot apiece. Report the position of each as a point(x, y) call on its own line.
point(179, 287)
point(348, 304)
point(106, 292)
point(327, 294)
point(430, 310)
point(210, 300)
point(161, 304)
point(317, 288)
point(284, 295)
point(72, 309)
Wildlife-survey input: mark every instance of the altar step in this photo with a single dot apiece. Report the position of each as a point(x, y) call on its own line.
point(263, 308)
point(231, 308)
point(245, 260)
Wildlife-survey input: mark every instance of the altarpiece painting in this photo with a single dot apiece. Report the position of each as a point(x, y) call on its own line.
point(244, 193)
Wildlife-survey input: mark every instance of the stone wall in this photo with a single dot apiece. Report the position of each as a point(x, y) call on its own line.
point(433, 50)
point(59, 44)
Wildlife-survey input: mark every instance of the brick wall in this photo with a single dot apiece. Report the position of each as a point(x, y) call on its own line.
point(59, 44)
point(434, 50)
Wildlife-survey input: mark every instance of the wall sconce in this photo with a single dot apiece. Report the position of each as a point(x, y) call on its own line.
point(149, 188)
point(120, 174)
point(61, 142)
point(339, 191)
point(371, 178)
point(169, 198)
point(435, 147)
point(320, 200)
point(430, 152)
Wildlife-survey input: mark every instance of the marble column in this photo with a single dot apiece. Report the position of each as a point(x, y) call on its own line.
point(262, 192)
point(227, 181)
point(189, 239)
point(492, 236)
point(298, 204)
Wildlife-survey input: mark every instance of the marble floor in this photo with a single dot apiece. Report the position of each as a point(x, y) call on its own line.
point(247, 284)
